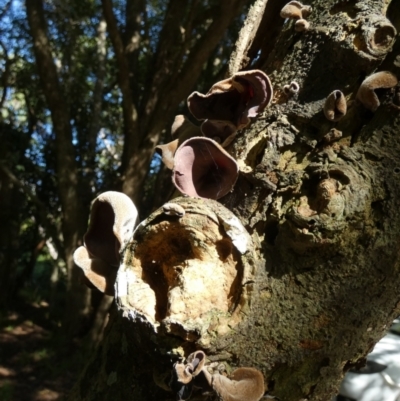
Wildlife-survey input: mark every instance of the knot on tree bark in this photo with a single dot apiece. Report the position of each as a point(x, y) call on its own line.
point(331, 195)
point(377, 35)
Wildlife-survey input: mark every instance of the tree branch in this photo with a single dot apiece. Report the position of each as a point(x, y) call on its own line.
point(239, 59)
point(130, 114)
point(190, 72)
point(5, 75)
point(265, 39)
point(66, 165)
point(133, 39)
point(95, 123)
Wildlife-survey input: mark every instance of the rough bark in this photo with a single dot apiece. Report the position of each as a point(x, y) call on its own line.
point(67, 175)
point(318, 284)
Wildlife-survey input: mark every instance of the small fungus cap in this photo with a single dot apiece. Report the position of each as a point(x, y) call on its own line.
point(292, 10)
point(203, 169)
point(335, 106)
point(366, 93)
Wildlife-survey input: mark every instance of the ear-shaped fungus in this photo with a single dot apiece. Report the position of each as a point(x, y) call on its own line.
point(244, 384)
point(366, 92)
point(203, 169)
point(183, 374)
point(335, 106)
point(181, 130)
point(112, 220)
point(232, 101)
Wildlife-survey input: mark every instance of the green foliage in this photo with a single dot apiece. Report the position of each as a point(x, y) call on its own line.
point(7, 392)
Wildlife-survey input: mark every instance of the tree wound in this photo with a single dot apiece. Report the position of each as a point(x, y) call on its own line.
point(186, 274)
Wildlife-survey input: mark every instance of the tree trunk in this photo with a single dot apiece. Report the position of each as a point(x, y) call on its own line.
point(306, 294)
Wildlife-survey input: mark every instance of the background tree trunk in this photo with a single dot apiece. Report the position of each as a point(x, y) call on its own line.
point(66, 168)
point(324, 222)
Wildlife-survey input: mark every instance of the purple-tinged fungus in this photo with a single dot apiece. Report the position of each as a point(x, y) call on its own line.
point(244, 384)
point(181, 130)
point(113, 217)
point(380, 80)
point(335, 106)
point(301, 25)
point(233, 101)
point(203, 169)
point(292, 10)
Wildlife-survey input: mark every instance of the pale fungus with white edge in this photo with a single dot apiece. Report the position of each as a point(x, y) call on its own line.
point(113, 217)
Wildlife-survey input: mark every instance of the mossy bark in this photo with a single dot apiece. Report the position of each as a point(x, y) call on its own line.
point(322, 212)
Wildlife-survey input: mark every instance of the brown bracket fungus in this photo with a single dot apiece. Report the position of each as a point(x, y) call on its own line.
point(230, 103)
point(191, 276)
point(335, 106)
point(113, 218)
point(202, 168)
point(380, 80)
point(244, 384)
point(181, 130)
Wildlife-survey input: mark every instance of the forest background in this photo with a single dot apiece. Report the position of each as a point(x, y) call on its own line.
point(89, 88)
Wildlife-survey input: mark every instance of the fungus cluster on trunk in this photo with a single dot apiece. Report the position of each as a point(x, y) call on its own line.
point(298, 12)
point(201, 166)
point(243, 384)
